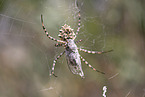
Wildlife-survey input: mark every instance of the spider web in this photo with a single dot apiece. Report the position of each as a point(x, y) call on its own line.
point(27, 54)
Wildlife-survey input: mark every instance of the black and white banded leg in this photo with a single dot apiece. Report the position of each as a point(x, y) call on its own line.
point(94, 52)
point(54, 62)
point(79, 23)
point(90, 65)
point(59, 44)
point(50, 37)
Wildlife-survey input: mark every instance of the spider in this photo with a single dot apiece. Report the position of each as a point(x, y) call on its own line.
point(67, 37)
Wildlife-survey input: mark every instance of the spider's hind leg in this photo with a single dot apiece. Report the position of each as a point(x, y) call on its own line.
point(90, 65)
point(54, 62)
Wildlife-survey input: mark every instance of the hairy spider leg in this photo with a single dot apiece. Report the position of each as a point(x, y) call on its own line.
point(90, 65)
point(94, 52)
point(50, 37)
point(79, 22)
point(54, 62)
point(59, 44)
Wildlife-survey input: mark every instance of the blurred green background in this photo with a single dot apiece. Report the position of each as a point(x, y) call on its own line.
point(26, 54)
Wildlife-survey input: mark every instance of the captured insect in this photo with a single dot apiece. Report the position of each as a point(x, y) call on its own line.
point(67, 37)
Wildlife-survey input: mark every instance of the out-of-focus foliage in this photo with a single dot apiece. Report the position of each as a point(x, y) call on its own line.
point(26, 54)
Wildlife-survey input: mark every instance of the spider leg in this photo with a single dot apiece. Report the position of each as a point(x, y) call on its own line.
point(50, 37)
point(79, 22)
point(90, 65)
point(58, 44)
point(54, 62)
point(94, 52)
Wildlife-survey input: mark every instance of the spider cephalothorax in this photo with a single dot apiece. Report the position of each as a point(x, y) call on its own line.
point(66, 33)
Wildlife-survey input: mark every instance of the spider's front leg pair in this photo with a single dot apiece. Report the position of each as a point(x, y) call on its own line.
point(50, 37)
